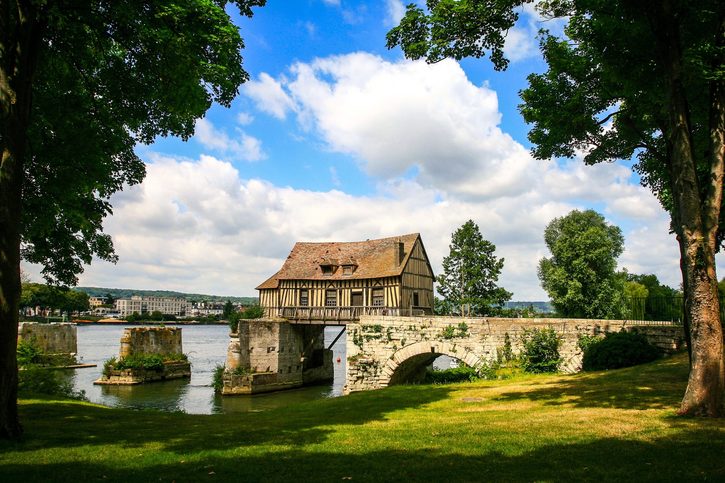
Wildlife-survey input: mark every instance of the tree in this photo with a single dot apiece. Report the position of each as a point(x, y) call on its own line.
point(635, 298)
point(627, 79)
point(663, 302)
point(228, 310)
point(470, 273)
point(81, 83)
point(581, 276)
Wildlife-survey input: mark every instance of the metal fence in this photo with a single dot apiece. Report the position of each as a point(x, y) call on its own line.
point(660, 308)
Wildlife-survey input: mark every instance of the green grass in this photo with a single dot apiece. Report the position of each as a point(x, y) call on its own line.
point(612, 426)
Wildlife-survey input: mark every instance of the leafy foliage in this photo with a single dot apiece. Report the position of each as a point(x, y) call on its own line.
point(111, 75)
point(618, 349)
point(28, 352)
point(625, 80)
point(149, 362)
point(51, 297)
point(580, 277)
point(540, 350)
point(662, 302)
point(34, 380)
point(470, 273)
point(218, 378)
point(454, 374)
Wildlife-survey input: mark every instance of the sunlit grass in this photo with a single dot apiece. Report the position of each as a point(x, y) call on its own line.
point(616, 425)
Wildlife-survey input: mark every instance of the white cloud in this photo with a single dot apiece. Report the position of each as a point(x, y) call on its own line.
point(331, 2)
point(427, 117)
point(245, 147)
point(197, 226)
point(426, 135)
point(521, 43)
point(394, 11)
point(244, 118)
point(269, 96)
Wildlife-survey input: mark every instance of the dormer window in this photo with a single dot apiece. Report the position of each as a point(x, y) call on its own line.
point(349, 265)
point(328, 266)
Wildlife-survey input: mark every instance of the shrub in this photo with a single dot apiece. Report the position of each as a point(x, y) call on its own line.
point(540, 350)
point(255, 311)
point(28, 352)
point(34, 380)
point(149, 362)
point(585, 341)
point(218, 378)
point(619, 349)
point(505, 353)
point(447, 376)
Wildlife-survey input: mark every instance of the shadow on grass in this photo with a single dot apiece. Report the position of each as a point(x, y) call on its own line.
point(304, 424)
point(688, 456)
point(657, 385)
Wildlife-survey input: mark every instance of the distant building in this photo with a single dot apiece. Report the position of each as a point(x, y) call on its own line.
point(342, 280)
point(96, 301)
point(142, 305)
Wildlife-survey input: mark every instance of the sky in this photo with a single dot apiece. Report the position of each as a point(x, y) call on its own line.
point(336, 138)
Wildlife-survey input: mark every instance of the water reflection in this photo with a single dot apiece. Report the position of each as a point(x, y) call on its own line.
point(206, 347)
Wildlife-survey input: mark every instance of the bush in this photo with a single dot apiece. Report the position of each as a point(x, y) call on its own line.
point(28, 352)
point(619, 349)
point(149, 362)
point(34, 380)
point(218, 378)
point(255, 311)
point(540, 350)
point(447, 376)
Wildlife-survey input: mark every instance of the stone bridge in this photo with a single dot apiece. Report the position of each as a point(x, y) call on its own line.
point(384, 350)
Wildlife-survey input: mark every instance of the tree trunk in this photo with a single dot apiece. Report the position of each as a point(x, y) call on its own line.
point(694, 216)
point(20, 36)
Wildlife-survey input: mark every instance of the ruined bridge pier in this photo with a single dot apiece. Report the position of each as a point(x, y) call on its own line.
point(384, 350)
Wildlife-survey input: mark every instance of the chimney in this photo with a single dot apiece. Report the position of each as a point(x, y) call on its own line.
point(400, 252)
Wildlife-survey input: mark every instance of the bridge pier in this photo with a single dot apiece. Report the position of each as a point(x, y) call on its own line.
point(272, 355)
point(389, 350)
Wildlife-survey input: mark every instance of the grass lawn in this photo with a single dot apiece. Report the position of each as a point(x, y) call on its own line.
point(613, 426)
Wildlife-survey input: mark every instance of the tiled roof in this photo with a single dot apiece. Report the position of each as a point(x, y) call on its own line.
point(370, 258)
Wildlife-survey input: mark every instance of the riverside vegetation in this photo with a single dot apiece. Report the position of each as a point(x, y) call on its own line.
point(618, 425)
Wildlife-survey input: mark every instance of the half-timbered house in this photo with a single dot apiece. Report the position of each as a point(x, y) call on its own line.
point(342, 280)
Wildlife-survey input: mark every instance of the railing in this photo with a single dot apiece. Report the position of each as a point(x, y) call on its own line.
point(342, 313)
point(661, 308)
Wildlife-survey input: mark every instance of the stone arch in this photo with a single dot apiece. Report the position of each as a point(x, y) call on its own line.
point(423, 353)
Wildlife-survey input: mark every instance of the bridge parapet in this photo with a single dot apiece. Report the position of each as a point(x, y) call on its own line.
point(387, 350)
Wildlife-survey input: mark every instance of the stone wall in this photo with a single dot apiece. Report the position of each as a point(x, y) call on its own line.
point(150, 340)
point(55, 338)
point(383, 350)
point(265, 355)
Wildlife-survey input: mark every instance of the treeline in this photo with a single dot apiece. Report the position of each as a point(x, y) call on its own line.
point(581, 276)
point(48, 298)
point(121, 293)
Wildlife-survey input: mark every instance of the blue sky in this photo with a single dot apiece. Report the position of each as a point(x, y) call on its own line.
point(337, 138)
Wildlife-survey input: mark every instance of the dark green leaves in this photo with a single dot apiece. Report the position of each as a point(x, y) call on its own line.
point(580, 277)
point(470, 272)
point(111, 75)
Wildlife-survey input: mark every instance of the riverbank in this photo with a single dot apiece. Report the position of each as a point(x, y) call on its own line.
point(608, 426)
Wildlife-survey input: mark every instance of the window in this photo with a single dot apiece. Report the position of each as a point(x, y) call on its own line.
point(326, 270)
point(357, 299)
point(378, 297)
point(416, 301)
point(304, 297)
point(348, 269)
point(331, 298)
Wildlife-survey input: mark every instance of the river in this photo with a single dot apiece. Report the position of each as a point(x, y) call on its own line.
point(206, 346)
